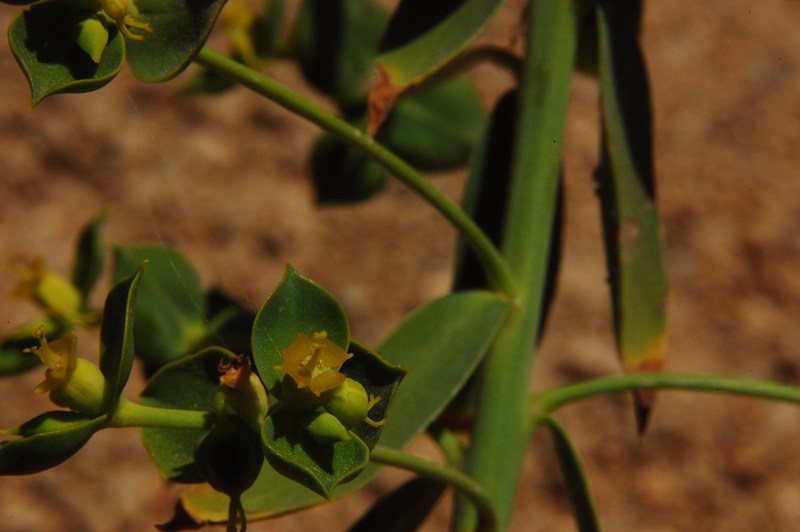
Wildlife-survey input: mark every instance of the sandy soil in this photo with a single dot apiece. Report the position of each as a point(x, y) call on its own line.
point(223, 179)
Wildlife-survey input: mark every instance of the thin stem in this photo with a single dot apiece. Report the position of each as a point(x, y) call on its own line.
point(487, 519)
point(549, 400)
point(496, 268)
point(130, 414)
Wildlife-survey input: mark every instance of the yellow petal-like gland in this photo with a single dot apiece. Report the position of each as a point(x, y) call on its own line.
point(73, 382)
point(244, 392)
point(313, 363)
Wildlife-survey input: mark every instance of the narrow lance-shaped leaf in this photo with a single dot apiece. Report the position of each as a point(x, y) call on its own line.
point(65, 435)
point(116, 337)
point(421, 38)
point(574, 478)
point(634, 246)
point(89, 258)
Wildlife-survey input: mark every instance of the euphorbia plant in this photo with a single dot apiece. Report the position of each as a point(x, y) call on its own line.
point(272, 412)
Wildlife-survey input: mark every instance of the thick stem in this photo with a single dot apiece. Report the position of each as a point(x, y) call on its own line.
point(549, 400)
point(487, 520)
point(501, 425)
point(495, 266)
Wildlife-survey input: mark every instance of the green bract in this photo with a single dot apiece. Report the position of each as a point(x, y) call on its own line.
point(79, 46)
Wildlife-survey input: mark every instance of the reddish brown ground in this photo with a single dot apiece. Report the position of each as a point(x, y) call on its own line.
point(224, 180)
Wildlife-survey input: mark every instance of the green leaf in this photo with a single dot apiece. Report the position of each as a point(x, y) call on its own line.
point(297, 305)
point(88, 263)
point(170, 308)
point(634, 248)
point(43, 450)
point(436, 127)
point(440, 345)
point(180, 29)
point(42, 38)
point(421, 38)
point(404, 508)
point(319, 467)
point(574, 478)
point(189, 384)
point(343, 174)
point(47, 422)
point(336, 42)
point(116, 337)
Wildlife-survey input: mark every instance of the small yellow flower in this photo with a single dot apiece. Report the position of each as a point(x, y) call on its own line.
point(313, 362)
point(60, 358)
point(51, 291)
point(73, 382)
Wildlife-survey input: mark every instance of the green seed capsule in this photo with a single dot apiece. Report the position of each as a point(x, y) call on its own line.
point(325, 428)
point(349, 402)
point(230, 456)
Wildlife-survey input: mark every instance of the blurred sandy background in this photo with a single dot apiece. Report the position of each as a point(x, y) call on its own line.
point(223, 179)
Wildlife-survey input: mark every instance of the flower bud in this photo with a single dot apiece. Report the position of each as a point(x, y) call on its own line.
point(51, 291)
point(325, 428)
point(243, 391)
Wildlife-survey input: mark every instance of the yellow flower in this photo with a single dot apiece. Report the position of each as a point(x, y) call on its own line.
point(60, 358)
point(53, 292)
point(73, 382)
point(124, 14)
point(313, 362)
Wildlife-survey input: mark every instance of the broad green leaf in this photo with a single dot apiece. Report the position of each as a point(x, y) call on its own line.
point(43, 450)
point(336, 42)
point(297, 305)
point(634, 247)
point(42, 38)
point(404, 508)
point(343, 174)
point(170, 307)
point(88, 263)
point(190, 384)
point(439, 345)
point(180, 29)
point(116, 337)
point(436, 127)
point(421, 38)
point(320, 467)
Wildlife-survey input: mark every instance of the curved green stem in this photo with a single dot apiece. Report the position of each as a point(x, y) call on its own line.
point(130, 414)
point(549, 400)
point(495, 265)
point(451, 476)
